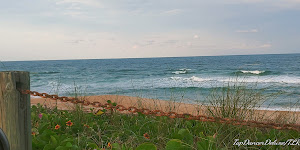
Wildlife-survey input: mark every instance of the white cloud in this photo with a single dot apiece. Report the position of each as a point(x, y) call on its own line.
point(196, 36)
point(189, 43)
point(135, 46)
point(172, 12)
point(80, 9)
point(74, 7)
point(73, 13)
point(274, 5)
point(73, 44)
point(266, 46)
point(247, 31)
point(93, 3)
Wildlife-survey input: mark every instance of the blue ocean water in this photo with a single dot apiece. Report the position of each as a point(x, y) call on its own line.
point(176, 78)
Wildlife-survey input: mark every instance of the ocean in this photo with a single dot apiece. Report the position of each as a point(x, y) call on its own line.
point(176, 78)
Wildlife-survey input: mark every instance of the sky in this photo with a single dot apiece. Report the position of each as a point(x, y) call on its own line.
point(96, 29)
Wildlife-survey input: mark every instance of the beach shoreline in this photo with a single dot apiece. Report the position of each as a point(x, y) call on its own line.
point(168, 106)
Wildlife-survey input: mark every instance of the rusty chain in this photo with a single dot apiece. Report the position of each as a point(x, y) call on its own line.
point(186, 116)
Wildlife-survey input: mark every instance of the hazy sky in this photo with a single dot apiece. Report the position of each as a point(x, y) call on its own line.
point(80, 29)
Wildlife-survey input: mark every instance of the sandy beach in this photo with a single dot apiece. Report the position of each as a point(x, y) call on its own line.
point(168, 106)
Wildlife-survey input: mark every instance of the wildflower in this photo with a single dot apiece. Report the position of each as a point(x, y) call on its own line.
point(99, 112)
point(40, 115)
point(146, 135)
point(69, 123)
point(57, 127)
point(33, 133)
point(86, 125)
point(108, 145)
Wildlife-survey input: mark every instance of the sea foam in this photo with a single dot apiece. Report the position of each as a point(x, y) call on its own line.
point(193, 79)
point(252, 72)
point(181, 71)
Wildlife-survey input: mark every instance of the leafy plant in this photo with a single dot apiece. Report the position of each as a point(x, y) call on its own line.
point(76, 130)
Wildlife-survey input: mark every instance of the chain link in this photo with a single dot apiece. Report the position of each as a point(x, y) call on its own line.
point(186, 116)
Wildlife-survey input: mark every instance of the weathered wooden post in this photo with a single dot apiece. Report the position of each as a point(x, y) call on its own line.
point(15, 109)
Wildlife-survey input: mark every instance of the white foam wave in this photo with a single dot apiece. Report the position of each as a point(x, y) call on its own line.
point(193, 78)
point(176, 78)
point(185, 69)
point(197, 79)
point(179, 72)
point(252, 72)
point(272, 79)
point(182, 71)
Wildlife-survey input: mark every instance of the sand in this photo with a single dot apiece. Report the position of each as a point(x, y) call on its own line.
point(168, 106)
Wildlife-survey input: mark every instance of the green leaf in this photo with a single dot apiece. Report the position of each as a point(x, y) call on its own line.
point(187, 136)
point(69, 145)
point(189, 124)
point(146, 146)
point(43, 127)
point(75, 147)
point(39, 142)
point(33, 116)
point(66, 140)
point(33, 108)
point(184, 132)
point(45, 116)
point(92, 145)
point(49, 147)
point(206, 143)
point(114, 104)
point(176, 144)
point(53, 140)
point(116, 146)
point(62, 148)
point(200, 146)
point(109, 101)
point(177, 136)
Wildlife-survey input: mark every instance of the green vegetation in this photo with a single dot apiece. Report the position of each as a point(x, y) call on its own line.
point(54, 129)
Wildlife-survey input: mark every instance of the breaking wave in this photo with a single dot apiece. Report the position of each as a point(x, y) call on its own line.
point(253, 72)
point(256, 72)
point(271, 79)
point(193, 78)
point(182, 71)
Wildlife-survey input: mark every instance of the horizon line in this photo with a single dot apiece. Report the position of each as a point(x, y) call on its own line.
point(153, 57)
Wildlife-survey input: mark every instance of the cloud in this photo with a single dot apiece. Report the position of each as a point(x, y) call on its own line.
point(172, 12)
point(266, 46)
point(92, 3)
point(135, 46)
point(276, 5)
point(77, 8)
point(73, 13)
point(196, 36)
point(74, 7)
point(247, 31)
point(71, 44)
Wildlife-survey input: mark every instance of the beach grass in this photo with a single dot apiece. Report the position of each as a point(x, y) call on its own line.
point(77, 129)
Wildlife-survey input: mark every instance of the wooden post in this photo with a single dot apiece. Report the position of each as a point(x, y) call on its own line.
point(15, 109)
